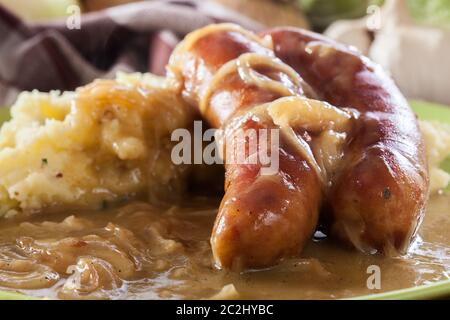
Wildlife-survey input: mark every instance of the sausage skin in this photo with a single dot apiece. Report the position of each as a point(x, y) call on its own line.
point(377, 199)
point(262, 218)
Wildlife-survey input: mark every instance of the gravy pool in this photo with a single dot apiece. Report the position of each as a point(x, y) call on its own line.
point(139, 251)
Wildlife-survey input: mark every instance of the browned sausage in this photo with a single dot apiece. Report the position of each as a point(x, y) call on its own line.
point(378, 197)
point(262, 218)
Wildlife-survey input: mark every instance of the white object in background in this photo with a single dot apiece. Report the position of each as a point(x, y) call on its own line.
point(416, 56)
point(351, 32)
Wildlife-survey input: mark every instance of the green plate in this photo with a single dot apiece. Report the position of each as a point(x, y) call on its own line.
point(425, 111)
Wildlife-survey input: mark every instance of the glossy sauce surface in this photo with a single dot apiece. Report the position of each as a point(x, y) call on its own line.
point(139, 251)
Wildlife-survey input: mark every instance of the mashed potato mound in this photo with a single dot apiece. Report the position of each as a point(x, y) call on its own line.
point(104, 142)
point(110, 141)
point(437, 141)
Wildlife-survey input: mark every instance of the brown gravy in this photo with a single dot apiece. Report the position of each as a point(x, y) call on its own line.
point(139, 251)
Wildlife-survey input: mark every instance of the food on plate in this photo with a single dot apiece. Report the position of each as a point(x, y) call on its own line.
point(437, 141)
point(262, 217)
point(106, 142)
point(376, 183)
point(378, 198)
point(330, 150)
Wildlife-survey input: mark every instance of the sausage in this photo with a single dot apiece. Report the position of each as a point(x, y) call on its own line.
point(377, 198)
point(262, 218)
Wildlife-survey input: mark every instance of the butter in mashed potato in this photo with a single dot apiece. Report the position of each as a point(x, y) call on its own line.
point(106, 141)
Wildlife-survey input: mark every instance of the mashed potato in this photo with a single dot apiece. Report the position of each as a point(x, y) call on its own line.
point(437, 141)
point(110, 141)
point(104, 142)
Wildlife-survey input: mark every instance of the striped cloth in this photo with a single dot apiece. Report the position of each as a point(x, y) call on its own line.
point(134, 37)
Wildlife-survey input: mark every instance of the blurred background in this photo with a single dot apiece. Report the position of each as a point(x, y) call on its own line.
point(409, 38)
point(319, 13)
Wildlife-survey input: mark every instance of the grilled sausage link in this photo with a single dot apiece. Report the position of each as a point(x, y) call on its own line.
point(230, 74)
point(377, 199)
